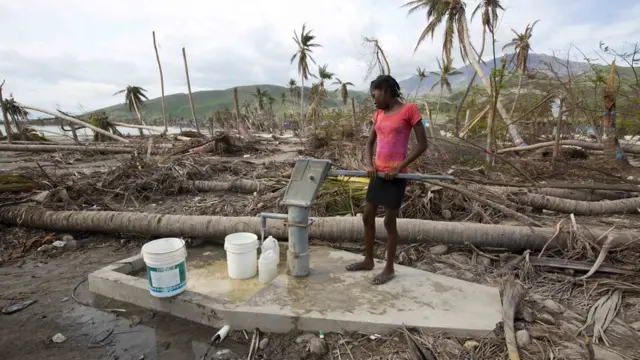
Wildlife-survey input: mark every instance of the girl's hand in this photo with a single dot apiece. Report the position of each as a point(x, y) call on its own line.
point(390, 174)
point(371, 172)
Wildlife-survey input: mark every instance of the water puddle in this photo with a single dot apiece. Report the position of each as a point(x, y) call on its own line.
point(125, 332)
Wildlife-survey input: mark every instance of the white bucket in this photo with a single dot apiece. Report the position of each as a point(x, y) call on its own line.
point(166, 266)
point(242, 255)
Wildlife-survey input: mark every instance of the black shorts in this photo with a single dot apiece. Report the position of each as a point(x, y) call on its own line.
point(387, 193)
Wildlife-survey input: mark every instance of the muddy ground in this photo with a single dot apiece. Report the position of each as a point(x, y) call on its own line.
point(97, 328)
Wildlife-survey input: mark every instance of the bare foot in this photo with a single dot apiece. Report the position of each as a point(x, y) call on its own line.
point(364, 265)
point(384, 277)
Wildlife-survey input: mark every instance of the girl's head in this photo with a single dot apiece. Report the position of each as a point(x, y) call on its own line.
point(384, 91)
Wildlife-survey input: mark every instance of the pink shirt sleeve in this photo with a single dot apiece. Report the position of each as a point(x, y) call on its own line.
point(413, 114)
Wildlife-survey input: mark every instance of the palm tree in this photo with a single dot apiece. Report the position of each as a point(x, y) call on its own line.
point(324, 74)
point(446, 70)
point(134, 98)
point(422, 74)
point(522, 46)
point(270, 100)
point(453, 14)
point(261, 96)
point(303, 54)
point(293, 86)
point(344, 92)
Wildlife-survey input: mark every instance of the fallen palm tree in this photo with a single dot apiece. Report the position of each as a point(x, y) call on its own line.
point(87, 148)
point(632, 149)
point(577, 207)
point(75, 121)
point(328, 229)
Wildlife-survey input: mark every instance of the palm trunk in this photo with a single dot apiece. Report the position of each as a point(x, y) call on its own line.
point(328, 229)
point(135, 106)
point(237, 108)
point(80, 148)
point(470, 85)
point(418, 90)
point(193, 109)
point(503, 113)
point(513, 107)
point(556, 147)
point(164, 114)
point(75, 121)
point(432, 123)
point(5, 116)
point(301, 102)
point(356, 133)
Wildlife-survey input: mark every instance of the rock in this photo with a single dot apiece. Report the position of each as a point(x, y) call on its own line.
point(440, 266)
point(451, 347)
point(67, 238)
point(58, 338)
point(304, 338)
point(467, 276)
point(446, 214)
point(425, 266)
point(545, 318)
point(45, 248)
point(525, 313)
point(518, 325)
point(225, 354)
point(263, 343)
point(58, 244)
point(438, 249)
point(553, 307)
point(461, 258)
point(523, 338)
point(471, 344)
point(447, 272)
point(484, 260)
point(636, 326)
point(318, 346)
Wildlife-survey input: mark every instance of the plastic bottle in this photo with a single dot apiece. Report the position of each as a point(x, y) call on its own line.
point(267, 266)
point(272, 244)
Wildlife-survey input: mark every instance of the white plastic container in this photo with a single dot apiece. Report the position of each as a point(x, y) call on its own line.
point(166, 266)
point(242, 255)
point(267, 266)
point(272, 244)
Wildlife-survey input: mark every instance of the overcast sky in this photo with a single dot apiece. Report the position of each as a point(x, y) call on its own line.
point(75, 54)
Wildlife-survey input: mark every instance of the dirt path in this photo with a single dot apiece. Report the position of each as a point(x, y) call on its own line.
point(91, 333)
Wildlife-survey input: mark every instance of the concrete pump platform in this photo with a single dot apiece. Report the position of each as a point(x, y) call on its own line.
point(329, 299)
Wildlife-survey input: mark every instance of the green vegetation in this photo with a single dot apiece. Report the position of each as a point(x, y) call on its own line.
point(206, 102)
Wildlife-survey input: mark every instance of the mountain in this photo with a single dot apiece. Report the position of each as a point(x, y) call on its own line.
point(208, 101)
point(537, 63)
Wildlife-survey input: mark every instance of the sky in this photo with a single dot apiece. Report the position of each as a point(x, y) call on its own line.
point(75, 54)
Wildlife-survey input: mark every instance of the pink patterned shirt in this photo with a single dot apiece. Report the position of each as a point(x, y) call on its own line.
point(393, 132)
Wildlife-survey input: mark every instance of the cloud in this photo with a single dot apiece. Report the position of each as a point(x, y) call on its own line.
point(74, 52)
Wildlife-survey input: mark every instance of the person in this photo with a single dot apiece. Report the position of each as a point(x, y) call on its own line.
point(393, 123)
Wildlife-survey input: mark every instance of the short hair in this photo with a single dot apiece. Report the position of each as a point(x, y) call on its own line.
point(387, 83)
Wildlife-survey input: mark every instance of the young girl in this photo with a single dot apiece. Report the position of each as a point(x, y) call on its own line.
point(393, 122)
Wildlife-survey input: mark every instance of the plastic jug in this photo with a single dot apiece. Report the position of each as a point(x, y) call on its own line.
point(272, 244)
point(267, 266)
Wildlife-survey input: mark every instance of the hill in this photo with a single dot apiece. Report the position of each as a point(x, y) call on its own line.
point(208, 101)
point(539, 64)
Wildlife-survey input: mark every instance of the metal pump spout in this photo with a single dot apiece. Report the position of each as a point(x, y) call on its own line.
point(306, 178)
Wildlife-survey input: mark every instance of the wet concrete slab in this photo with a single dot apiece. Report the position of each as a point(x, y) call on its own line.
point(329, 299)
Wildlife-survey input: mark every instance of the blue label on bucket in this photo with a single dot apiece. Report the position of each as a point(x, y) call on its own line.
point(168, 279)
